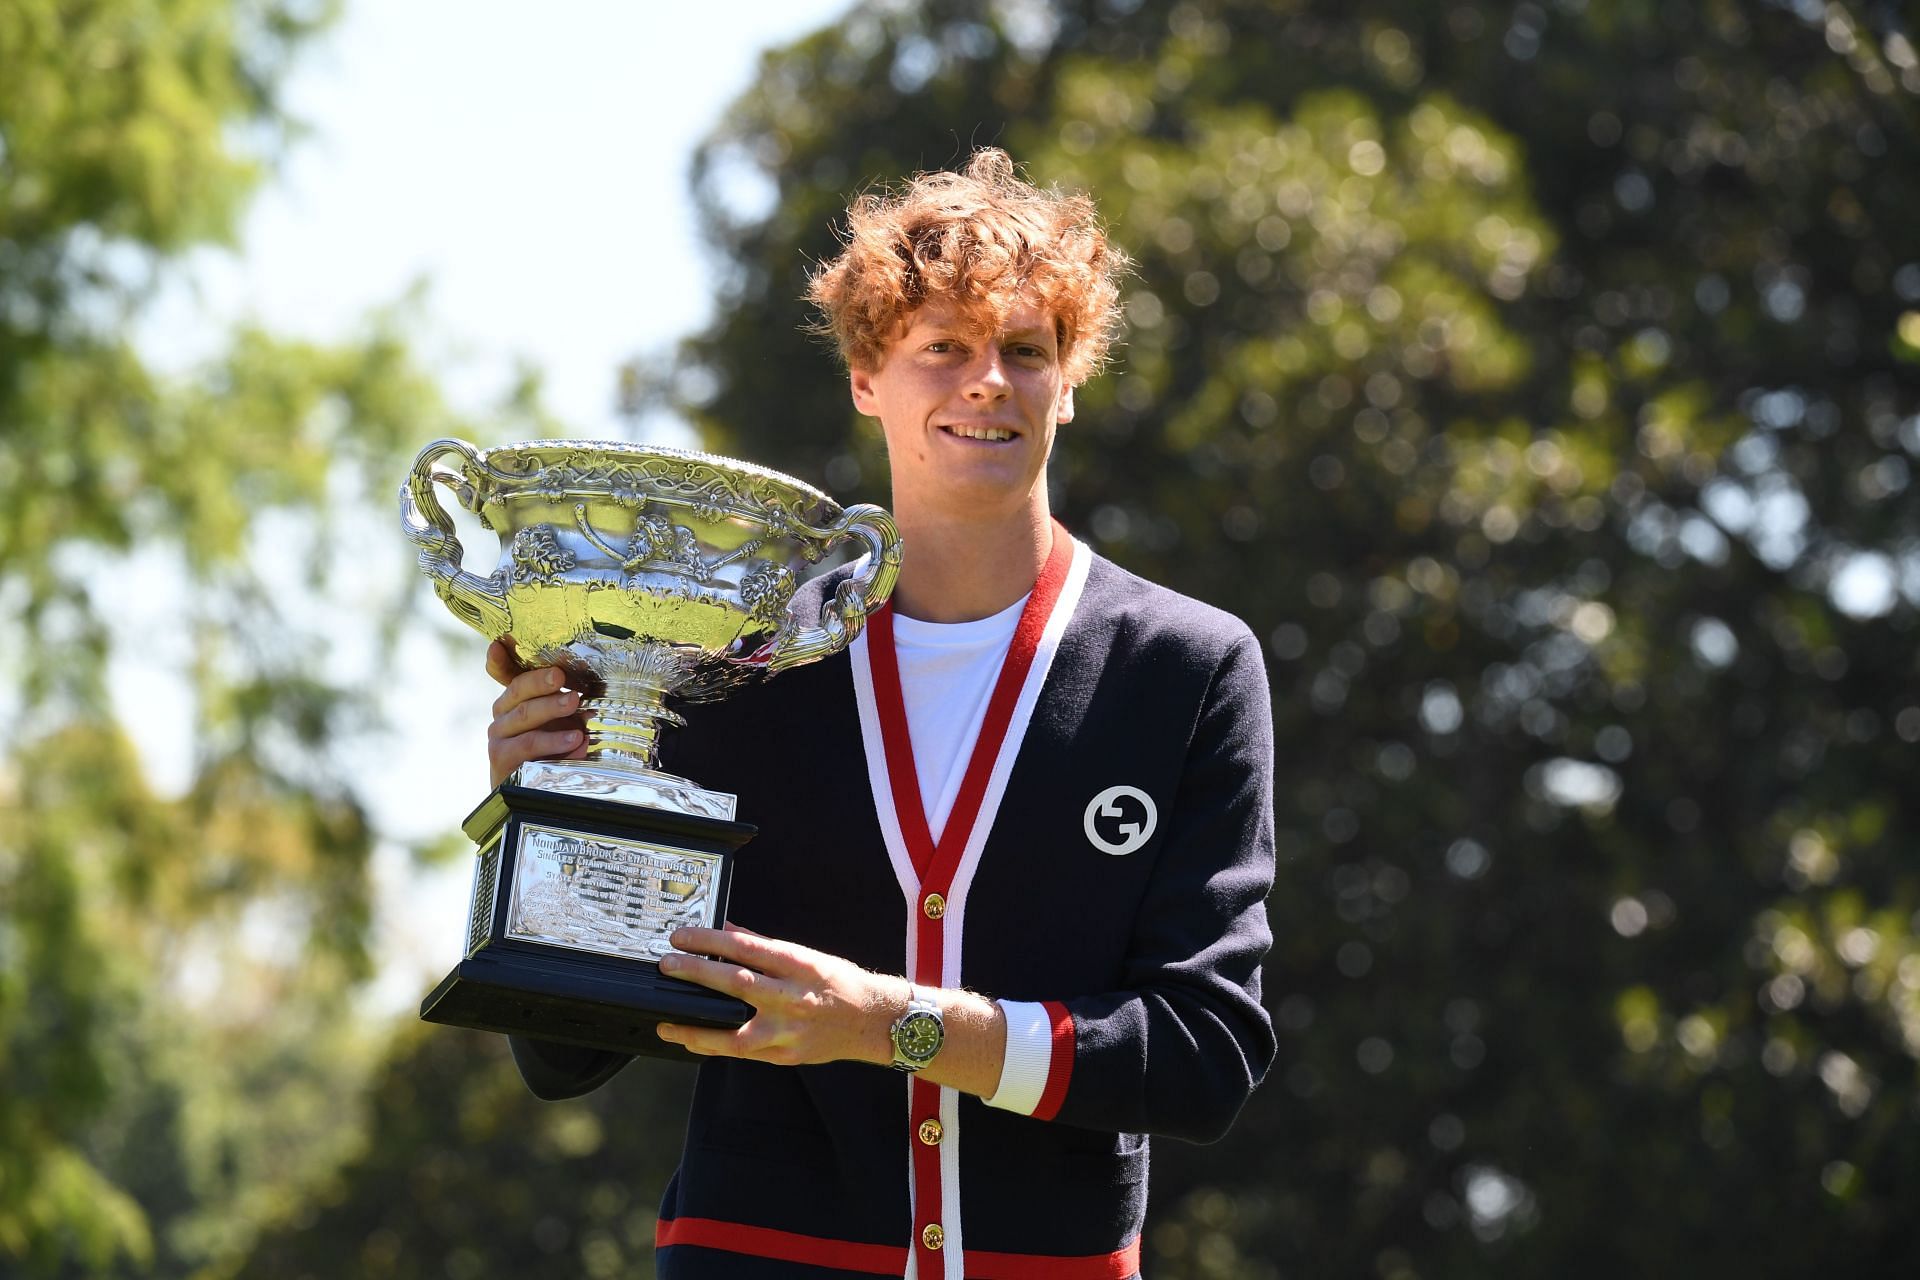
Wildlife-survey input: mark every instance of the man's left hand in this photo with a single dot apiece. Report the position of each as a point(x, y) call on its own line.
point(808, 1006)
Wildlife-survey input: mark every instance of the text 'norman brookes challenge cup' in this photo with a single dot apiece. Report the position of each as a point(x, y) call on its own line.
point(646, 573)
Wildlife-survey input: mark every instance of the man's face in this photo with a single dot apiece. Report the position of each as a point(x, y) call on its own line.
point(969, 413)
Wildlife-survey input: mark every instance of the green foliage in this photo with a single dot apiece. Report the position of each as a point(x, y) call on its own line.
point(115, 902)
point(178, 1059)
point(472, 1178)
point(117, 119)
point(1537, 379)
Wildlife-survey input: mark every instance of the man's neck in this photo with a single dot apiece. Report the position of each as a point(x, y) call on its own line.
point(964, 571)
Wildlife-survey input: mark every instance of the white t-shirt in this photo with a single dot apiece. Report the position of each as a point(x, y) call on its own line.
point(947, 673)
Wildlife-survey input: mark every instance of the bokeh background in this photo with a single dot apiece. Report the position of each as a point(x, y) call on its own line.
point(1540, 380)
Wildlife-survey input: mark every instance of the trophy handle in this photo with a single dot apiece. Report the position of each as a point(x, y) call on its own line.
point(476, 601)
point(842, 617)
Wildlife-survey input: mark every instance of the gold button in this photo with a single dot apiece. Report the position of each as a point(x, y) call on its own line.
point(931, 1132)
point(932, 1236)
point(935, 906)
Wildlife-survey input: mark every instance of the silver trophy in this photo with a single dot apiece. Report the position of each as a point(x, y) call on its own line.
point(646, 573)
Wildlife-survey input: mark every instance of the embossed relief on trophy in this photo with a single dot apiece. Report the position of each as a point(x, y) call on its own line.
point(664, 573)
point(648, 574)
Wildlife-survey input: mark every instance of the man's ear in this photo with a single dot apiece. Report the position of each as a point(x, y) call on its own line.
point(860, 381)
point(1066, 407)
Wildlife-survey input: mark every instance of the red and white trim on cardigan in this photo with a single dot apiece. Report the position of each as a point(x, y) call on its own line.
point(885, 1259)
point(925, 866)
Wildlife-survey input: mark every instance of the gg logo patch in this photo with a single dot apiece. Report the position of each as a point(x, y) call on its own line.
point(1121, 819)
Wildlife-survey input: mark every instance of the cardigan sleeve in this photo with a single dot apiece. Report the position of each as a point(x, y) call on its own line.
point(1180, 1046)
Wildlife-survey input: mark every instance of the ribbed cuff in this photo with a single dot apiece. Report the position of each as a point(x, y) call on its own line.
point(1023, 1074)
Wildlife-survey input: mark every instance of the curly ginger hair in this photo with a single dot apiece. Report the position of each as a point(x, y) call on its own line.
point(983, 238)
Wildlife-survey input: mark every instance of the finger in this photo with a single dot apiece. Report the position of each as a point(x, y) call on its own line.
point(731, 979)
point(537, 683)
point(707, 1042)
point(502, 665)
point(536, 713)
point(753, 1040)
point(507, 754)
point(770, 956)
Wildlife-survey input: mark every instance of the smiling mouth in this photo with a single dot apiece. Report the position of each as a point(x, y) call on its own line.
point(990, 434)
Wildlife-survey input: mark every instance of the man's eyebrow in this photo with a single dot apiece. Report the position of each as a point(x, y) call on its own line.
point(947, 326)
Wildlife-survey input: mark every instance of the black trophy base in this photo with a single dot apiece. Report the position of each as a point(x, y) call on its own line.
point(527, 988)
point(576, 999)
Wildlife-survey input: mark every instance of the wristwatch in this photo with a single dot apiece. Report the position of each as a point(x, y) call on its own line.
point(917, 1034)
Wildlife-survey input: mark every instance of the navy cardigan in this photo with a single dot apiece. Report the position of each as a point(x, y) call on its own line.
point(1114, 898)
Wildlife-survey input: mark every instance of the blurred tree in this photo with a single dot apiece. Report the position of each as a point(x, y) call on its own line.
point(1541, 380)
point(474, 1179)
point(176, 1060)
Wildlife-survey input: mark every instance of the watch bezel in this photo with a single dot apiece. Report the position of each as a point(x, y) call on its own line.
point(917, 1035)
point(920, 1036)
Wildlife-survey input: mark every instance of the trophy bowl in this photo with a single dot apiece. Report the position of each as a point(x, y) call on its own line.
point(646, 573)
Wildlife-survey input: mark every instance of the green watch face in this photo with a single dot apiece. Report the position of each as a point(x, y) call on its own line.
point(919, 1037)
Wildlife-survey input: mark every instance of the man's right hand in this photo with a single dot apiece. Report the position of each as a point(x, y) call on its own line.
point(535, 718)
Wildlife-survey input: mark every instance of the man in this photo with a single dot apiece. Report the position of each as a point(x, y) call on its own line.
point(1016, 842)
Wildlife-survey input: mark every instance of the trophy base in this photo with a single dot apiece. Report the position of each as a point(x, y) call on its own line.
point(573, 899)
point(643, 788)
point(572, 999)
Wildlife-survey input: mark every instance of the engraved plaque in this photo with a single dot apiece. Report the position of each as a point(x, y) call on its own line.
point(606, 893)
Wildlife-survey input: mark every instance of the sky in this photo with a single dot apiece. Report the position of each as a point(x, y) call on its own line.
point(528, 165)
point(527, 162)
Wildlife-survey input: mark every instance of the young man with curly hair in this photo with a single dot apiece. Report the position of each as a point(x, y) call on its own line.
point(1015, 842)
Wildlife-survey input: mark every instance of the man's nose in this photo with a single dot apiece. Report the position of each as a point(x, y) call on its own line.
point(987, 375)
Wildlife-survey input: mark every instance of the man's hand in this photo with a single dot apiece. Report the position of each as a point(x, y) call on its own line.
point(813, 1007)
point(535, 718)
point(808, 1006)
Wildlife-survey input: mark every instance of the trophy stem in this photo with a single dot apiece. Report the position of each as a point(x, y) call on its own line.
point(623, 703)
point(624, 722)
